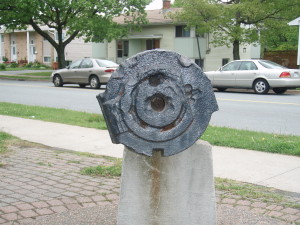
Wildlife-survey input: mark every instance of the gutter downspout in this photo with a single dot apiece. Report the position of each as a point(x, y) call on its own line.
point(1, 59)
point(28, 48)
point(199, 52)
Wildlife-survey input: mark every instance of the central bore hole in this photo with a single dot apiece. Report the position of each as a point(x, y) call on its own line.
point(158, 103)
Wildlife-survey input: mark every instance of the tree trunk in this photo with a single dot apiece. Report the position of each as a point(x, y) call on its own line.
point(236, 49)
point(61, 57)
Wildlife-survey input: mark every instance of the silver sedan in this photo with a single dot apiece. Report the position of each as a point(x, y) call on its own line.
point(259, 75)
point(93, 72)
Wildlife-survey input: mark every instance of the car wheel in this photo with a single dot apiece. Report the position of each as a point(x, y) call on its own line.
point(261, 86)
point(279, 90)
point(82, 85)
point(94, 82)
point(221, 89)
point(57, 81)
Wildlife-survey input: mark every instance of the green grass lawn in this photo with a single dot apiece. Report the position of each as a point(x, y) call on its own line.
point(41, 74)
point(220, 136)
point(24, 68)
point(26, 78)
point(4, 139)
point(29, 76)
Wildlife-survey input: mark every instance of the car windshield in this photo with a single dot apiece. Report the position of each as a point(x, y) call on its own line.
point(106, 63)
point(270, 65)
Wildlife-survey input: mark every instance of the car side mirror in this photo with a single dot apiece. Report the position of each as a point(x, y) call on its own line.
point(68, 67)
point(220, 69)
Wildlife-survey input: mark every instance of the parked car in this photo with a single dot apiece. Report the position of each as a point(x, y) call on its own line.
point(259, 75)
point(93, 72)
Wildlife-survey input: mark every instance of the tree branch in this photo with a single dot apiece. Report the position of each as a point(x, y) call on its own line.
point(72, 36)
point(43, 34)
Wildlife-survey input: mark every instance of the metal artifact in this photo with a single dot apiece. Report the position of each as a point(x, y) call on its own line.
point(157, 100)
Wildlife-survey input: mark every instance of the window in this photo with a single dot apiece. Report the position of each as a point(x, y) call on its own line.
point(270, 65)
point(106, 63)
point(152, 44)
point(200, 62)
point(75, 64)
point(248, 66)
point(122, 48)
point(86, 63)
point(2, 37)
point(232, 66)
point(182, 31)
point(47, 59)
point(225, 61)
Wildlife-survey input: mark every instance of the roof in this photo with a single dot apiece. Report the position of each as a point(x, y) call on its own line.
point(154, 17)
point(295, 22)
point(29, 28)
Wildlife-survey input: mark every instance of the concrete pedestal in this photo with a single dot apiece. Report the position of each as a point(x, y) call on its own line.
point(174, 190)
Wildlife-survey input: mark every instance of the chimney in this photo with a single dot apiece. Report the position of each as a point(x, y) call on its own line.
point(166, 4)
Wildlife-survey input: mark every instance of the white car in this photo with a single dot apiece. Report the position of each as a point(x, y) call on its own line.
point(93, 72)
point(259, 75)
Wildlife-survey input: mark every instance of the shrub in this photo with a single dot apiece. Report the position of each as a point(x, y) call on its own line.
point(28, 65)
point(2, 67)
point(5, 59)
point(14, 65)
point(36, 65)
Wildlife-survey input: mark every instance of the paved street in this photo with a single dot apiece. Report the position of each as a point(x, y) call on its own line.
point(240, 109)
point(41, 181)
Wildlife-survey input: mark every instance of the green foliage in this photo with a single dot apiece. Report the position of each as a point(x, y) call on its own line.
point(53, 115)
point(279, 36)
point(38, 74)
point(105, 171)
point(36, 65)
point(237, 22)
point(91, 19)
point(248, 190)
point(5, 59)
point(13, 65)
point(4, 138)
point(281, 144)
point(2, 67)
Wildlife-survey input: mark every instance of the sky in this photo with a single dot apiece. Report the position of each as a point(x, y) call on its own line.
point(156, 4)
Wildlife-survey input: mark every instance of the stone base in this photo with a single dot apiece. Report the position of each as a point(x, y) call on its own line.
point(172, 190)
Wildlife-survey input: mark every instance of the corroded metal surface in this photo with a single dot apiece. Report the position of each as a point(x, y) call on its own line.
point(157, 100)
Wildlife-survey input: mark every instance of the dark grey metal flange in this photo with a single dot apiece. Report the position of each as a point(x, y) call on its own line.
point(157, 100)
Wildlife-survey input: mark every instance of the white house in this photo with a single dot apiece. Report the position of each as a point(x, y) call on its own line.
point(162, 32)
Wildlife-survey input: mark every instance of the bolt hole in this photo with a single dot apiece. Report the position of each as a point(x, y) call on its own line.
point(155, 80)
point(188, 90)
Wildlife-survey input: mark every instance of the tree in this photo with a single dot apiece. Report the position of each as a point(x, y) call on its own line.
point(91, 19)
point(278, 35)
point(234, 22)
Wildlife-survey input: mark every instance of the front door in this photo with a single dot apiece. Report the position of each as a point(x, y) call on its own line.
point(32, 52)
point(13, 51)
point(122, 50)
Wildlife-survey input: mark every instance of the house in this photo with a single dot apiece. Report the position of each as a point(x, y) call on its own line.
point(29, 46)
point(162, 32)
point(25, 45)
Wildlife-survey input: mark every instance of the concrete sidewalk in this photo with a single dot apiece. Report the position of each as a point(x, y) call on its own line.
point(279, 171)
